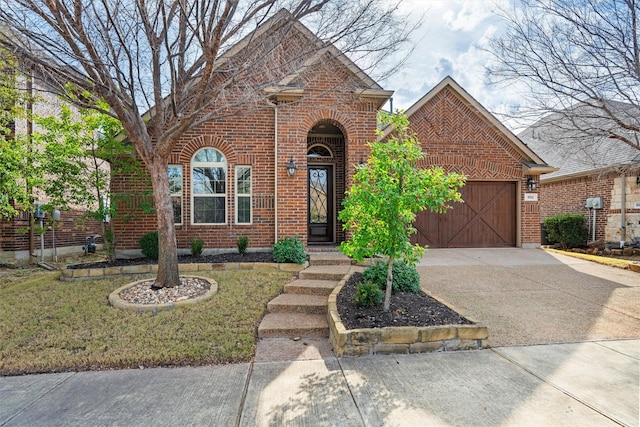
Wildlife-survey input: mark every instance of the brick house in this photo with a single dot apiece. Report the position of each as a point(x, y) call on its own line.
point(16, 243)
point(231, 177)
point(591, 166)
point(460, 135)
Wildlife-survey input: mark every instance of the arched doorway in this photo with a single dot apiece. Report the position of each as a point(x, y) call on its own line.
point(325, 172)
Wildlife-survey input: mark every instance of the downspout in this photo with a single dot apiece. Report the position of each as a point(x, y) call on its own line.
point(29, 107)
point(623, 209)
point(275, 171)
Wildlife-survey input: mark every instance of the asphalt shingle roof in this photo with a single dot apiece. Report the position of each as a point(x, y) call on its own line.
point(578, 146)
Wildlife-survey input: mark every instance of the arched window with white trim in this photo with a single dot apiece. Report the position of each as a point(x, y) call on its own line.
point(208, 187)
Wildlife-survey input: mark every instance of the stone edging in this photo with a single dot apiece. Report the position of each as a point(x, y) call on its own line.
point(92, 273)
point(401, 340)
point(119, 303)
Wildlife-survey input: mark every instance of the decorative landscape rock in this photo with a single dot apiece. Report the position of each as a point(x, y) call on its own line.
point(140, 296)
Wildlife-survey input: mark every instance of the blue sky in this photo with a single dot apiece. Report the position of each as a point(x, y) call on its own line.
point(449, 43)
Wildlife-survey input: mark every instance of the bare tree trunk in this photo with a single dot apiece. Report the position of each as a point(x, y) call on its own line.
point(168, 252)
point(387, 294)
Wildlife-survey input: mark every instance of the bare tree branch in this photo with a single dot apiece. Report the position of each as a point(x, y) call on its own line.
point(571, 52)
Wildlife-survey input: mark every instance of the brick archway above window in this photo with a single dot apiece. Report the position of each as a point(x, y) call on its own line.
point(205, 141)
point(335, 118)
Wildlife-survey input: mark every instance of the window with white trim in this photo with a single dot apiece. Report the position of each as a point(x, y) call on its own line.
point(209, 187)
point(243, 195)
point(175, 186)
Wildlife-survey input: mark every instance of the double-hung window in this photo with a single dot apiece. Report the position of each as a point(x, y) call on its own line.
point(175, 185)
point(209, 187)
point(243, 195)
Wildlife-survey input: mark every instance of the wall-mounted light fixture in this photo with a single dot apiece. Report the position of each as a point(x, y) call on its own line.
point(361, 164)
point(531, 184)
point(291, 169)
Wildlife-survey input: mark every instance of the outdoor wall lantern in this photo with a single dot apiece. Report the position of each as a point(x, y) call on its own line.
point(291, 169)
point(531, 184)
point(361, 164)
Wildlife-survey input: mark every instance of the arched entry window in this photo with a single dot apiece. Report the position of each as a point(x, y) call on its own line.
point(319, 151)
point(208, 187)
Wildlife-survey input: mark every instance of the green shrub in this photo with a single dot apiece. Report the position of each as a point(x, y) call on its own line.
point(289, 249)
point(568, 230)
point(149, 245)
point(368, 294)
point(242, 243)
point(196, 246)
point(405, 277)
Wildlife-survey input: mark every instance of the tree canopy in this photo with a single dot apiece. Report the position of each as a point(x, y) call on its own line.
point(579, 59)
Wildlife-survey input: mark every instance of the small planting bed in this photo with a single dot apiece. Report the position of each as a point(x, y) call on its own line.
point(416, 323)
point(187, 264)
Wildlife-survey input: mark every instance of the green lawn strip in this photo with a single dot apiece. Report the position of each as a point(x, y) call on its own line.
point(619, 263)
point(52, 326)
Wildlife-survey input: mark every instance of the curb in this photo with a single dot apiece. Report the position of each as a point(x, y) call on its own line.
point(611, 262)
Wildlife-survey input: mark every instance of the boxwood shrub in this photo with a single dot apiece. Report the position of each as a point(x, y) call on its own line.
point(567, 230)
point(405, 277)
point(149, 245)
point(289, 249)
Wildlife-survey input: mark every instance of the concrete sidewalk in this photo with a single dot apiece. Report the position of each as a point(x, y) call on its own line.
point(586, 384)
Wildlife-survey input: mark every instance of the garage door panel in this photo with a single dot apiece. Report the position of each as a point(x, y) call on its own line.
point(487, 218)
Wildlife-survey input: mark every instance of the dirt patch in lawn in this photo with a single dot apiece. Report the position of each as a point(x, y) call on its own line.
point(407, 309)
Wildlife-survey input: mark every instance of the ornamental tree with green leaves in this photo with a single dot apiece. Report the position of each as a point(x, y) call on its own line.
point(380, 208)
point(81, 151)
point(17, 178)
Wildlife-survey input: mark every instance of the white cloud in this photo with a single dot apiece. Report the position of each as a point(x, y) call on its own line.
point(449, 43)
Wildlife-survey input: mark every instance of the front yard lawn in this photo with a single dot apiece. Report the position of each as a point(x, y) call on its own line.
point(47, 325)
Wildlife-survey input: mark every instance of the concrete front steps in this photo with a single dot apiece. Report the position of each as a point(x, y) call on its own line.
point(301, 311)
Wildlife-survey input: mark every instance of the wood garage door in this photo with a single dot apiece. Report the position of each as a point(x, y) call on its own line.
point(487, 218)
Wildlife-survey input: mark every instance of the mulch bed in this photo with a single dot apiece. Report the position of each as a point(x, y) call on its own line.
point(407, 309)
point(184, 259)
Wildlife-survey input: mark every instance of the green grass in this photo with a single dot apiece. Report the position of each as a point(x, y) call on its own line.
point(51, 326)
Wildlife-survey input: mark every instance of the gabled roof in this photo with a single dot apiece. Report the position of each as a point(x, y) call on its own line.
point(559, 138)
point(286, 86)
point(367, 86)
point(533, 164)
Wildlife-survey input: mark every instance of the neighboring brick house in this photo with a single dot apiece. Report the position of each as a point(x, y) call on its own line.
point(592, 165)
point(72, 229)
point(460, 135)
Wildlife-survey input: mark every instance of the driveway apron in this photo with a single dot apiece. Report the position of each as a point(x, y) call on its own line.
point(529, 296)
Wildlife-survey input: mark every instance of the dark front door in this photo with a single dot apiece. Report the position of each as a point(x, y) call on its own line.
point(487, 218)
point(320, 204)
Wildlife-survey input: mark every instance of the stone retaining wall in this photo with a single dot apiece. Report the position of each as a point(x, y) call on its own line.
point(400, 340)
point(92, 273)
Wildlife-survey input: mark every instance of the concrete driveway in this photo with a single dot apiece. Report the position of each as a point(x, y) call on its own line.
point(529, 296)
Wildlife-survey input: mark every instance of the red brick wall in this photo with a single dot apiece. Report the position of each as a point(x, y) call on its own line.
point(247, 138)
point(459, 139)
point(70, 231)
point(569, 196)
